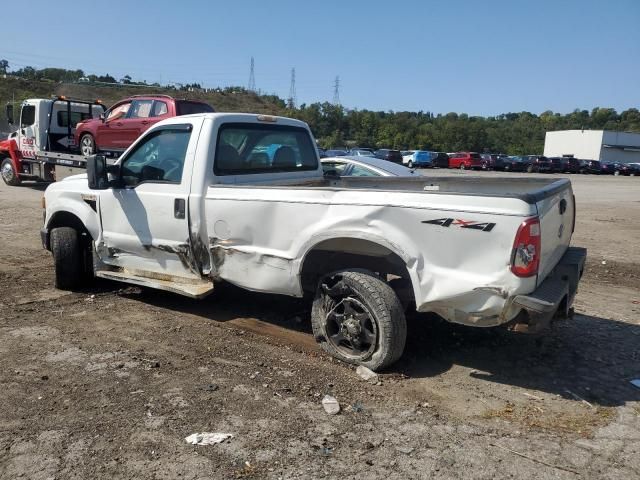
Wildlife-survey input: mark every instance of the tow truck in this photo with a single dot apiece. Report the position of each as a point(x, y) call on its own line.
point(43, 146)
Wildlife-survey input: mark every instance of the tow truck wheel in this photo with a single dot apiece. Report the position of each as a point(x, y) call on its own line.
point(67, 257)
point(87, 145)
point(9, 174)
point(358, 318)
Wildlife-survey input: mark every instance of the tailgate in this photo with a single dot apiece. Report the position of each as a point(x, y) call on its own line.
point(557, 215)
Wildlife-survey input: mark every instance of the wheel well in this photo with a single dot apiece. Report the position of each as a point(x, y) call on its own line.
point(351, 253)
point(66, 219)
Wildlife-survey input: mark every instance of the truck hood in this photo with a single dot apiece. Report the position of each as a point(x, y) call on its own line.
point(71, 178)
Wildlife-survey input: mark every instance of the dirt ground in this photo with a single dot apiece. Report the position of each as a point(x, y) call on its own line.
point(108, 382)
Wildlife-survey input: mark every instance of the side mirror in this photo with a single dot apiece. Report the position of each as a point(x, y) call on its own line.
point(103, 116)
point(9, 112)
point(97, 172)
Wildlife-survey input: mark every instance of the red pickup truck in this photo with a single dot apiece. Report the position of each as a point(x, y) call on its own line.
point(118, 127)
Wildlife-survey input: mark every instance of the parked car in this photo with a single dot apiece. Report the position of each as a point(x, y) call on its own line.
point(441, 160)
point(590, 166)
point(565, 165)
point(609, 168)
point(465, 160)
point(629, 169)
point(118, 127)
point(360, 152)
point(516, 163)
point(419, 158)
point(493, 161)
point(186, 207)
point(336, 153)
point(389, 155)
point(363, 166)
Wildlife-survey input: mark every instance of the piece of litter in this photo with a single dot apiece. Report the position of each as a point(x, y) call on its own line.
point(578, 397)
point(330, 405)
point(357, 407)
point(366, 374)
point(636, 382)
point(604, 262)
point(212, 387)
point(206, 438)
point(405, 450)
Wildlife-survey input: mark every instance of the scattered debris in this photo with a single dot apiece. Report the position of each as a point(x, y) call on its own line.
point(542, 462)
point(212, 387)
point(330, 405)
point(604, 262)
point(635, 382)
point(357, 407)
point(405, 450)
point(206, 438)
point(578, 397)
point(366, 374)
point(532, 396)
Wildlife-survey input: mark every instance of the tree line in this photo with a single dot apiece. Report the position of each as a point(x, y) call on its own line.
point(335, 126)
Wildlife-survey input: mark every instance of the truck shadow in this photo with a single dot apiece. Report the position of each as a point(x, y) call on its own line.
point(589, 356)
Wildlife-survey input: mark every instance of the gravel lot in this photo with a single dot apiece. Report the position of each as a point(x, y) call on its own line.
point(107, 383)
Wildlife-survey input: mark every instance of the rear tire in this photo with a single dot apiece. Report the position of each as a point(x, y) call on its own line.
point(359, 319)
point(462, 166)
point(68, 258)
point(9, 174)
point(87, 145)
point(530, 169)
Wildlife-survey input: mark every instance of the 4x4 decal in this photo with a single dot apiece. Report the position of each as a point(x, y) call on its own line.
point(456, 222)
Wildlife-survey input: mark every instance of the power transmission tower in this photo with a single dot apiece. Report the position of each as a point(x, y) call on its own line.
point(336, 91)
point(252, 77)
point(292, 102)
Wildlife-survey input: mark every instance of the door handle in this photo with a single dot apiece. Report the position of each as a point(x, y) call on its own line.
point(179, 208)
point(145, 122)
point(119, 124)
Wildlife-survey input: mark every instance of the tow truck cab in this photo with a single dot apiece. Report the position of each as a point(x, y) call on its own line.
point(44, 126)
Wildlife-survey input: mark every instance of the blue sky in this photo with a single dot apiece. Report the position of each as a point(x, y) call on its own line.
point(479, 57)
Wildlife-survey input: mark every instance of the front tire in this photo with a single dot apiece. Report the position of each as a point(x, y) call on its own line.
point(87, 145)
point(462, 166)
point(9, 174)
point(358, 318)
point(67, 258)
point(410, 164)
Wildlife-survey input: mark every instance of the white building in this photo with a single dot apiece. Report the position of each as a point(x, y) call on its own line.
point(601, 145)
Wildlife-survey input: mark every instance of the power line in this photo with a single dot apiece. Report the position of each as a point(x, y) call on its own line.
point(292, 101)
point(252, 77)
point(336, 91)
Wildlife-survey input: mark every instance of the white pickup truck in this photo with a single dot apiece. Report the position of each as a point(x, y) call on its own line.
point(242, 198)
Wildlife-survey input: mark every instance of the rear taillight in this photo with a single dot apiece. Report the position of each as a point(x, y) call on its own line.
point(525, 258)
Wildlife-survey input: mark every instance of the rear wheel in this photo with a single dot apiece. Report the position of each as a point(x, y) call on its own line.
point(462, 166)
point(9, 174)
point(87, 145)
point(358, 318)
point(530, 169)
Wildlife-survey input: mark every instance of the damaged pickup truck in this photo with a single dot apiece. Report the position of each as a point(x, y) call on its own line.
point(242, 198)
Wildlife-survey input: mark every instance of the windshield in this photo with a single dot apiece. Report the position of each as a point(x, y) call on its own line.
point(244, 149)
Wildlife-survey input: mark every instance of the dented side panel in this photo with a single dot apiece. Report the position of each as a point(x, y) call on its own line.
point(259, 239)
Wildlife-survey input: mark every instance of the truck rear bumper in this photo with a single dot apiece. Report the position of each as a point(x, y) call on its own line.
point(554, 297)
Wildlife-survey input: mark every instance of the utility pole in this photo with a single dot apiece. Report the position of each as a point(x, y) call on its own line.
point(336, 91)
point(252, 77)
point(292, 101)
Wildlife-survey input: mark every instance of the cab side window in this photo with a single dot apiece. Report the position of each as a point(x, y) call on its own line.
point(159, 158)
point(141, 109)
point(159, 109)
point(28, 116)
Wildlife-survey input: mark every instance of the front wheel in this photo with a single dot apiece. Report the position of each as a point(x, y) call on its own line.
point(530, 169)
point(358, 318)
point(462, 166)
point(9, 174)
point(410, 164)
point(68, 258)
point(87, 145)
